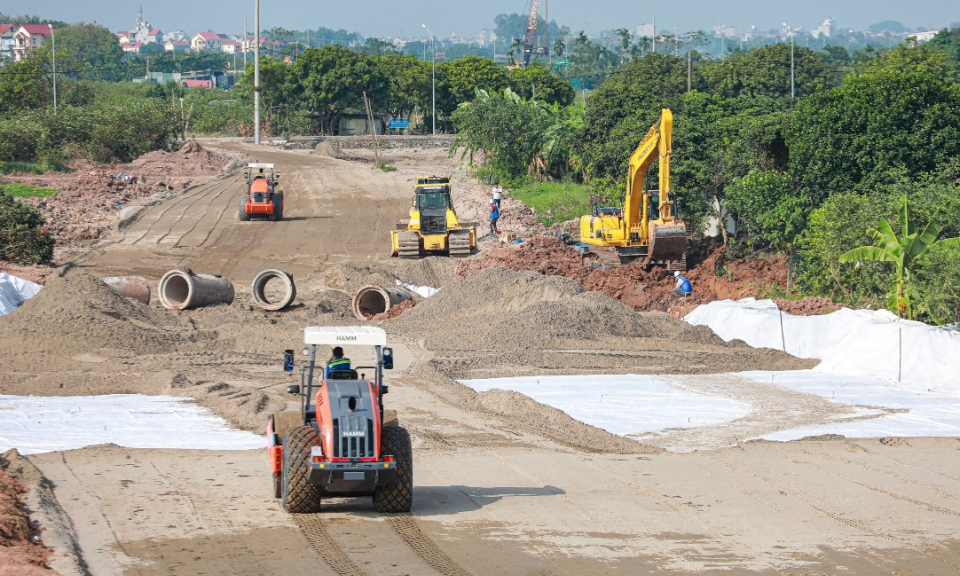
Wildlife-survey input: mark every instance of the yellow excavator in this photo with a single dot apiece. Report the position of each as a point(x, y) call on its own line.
point(630, 230)
point(433, 226)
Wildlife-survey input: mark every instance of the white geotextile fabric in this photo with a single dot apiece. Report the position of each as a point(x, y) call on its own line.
point(865, 342)
point(423, 291)
point(36, 424)
point(15, 291)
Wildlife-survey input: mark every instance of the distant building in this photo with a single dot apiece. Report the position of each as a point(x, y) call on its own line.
point(175, 35)
point(231, 46)
point(176, 46)
point(203, 41)
point(28, 38)
point(724, 31)
point(645, 31)
point(143, 33)
point(132, 47)
point(824, 30)
point(6, 41)
point(919, 37)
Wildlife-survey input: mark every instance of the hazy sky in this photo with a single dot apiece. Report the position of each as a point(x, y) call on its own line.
point(466, 18)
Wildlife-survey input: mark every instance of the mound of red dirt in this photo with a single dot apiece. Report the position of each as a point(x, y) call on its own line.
point(20, 549)
point(713, 278)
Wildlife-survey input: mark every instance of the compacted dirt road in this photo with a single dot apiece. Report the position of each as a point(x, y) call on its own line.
point(502, 485)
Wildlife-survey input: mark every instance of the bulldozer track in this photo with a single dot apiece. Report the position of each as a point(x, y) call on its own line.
point(408, 529)
point(409, 245)
point(323, 543)
point(188, 211)
point(460, 243)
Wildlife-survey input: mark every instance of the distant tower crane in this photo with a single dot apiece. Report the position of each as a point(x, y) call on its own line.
point(530, 45)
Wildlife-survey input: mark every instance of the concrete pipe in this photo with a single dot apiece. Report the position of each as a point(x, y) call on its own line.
point(259, 288)
point(135, 287)
point(372, 300)
point(182, 289)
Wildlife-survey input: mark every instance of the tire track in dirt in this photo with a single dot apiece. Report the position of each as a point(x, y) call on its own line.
point(99, 506)
point(189, 212)
point(692, 517)
point(799, 522)
point(857, 525)
point(313, 528)
point(215, 201)
point(874, 470)
point(159, 211)
point(408, 529)
point(920, 503)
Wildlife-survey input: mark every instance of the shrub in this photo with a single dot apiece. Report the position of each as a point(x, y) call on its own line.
point(23, 238)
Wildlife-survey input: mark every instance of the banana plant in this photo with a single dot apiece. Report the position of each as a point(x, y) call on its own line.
point(903, 250)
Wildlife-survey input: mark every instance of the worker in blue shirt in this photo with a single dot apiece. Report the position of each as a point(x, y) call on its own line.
point(683, 287)
point(337, 361)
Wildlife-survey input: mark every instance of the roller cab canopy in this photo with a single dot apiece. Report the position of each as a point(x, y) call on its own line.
point(345, 336)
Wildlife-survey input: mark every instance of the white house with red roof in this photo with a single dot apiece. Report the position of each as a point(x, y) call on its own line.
point(143, 33)
point(231, 46)
point(6, 42)
point(202, 41)
point(28, 38)
point(132, 47)
point(176, 46)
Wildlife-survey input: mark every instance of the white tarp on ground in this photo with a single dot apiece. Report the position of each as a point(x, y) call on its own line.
point(15, 291)
point(423, 291)
point(862, 342)
point(35, 424)
point(919, 413)
point(623, 405)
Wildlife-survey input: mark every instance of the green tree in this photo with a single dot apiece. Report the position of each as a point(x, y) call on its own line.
point(409, 84)
point(537, 82)
point(331, 80)
point(947, 40)
point(769, 211)
point(25, 86)
point(458, 81)
point(766, 72)
point(875, 128)
point(903, 250)
point(89, 50)
point(23, 238)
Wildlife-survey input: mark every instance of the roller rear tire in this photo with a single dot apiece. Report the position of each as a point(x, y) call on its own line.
point(397, 497)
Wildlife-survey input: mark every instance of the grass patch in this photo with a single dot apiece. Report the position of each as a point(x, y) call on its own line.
point(554, 201)
point(26, 190)
point(29, 167)
point(386, 167)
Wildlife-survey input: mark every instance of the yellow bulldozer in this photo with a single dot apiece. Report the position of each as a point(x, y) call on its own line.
point(433, 227)
point(631, 229)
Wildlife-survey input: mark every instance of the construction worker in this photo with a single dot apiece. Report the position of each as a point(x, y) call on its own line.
point(260, 174)
point(337, 361)
point(497, 194)
point(683, 287)
point(494, 216)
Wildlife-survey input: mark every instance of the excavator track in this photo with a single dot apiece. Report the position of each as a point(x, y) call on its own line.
point(460, 243)
point(409, 245)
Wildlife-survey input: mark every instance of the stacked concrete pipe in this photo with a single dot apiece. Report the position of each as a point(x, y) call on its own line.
point(135, 287)
point(259, 286)
point(182, 289)
point(372, 300)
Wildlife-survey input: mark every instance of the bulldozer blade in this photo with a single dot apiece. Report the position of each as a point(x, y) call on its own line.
point(668, 241)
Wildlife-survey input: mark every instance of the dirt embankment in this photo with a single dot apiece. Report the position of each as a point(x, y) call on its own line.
point(21, 551)
point(713, 277)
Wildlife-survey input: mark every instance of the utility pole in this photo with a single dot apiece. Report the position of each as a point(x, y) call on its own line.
point(433, 49)
point(689, 71)
point(53, 47)
point(245, 43)
point(256, 74)
point(654, 33)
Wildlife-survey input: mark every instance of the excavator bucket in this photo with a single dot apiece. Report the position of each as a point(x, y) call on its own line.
point(668, 241)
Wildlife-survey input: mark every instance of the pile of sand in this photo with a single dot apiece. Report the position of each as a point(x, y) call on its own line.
point(76, 313)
